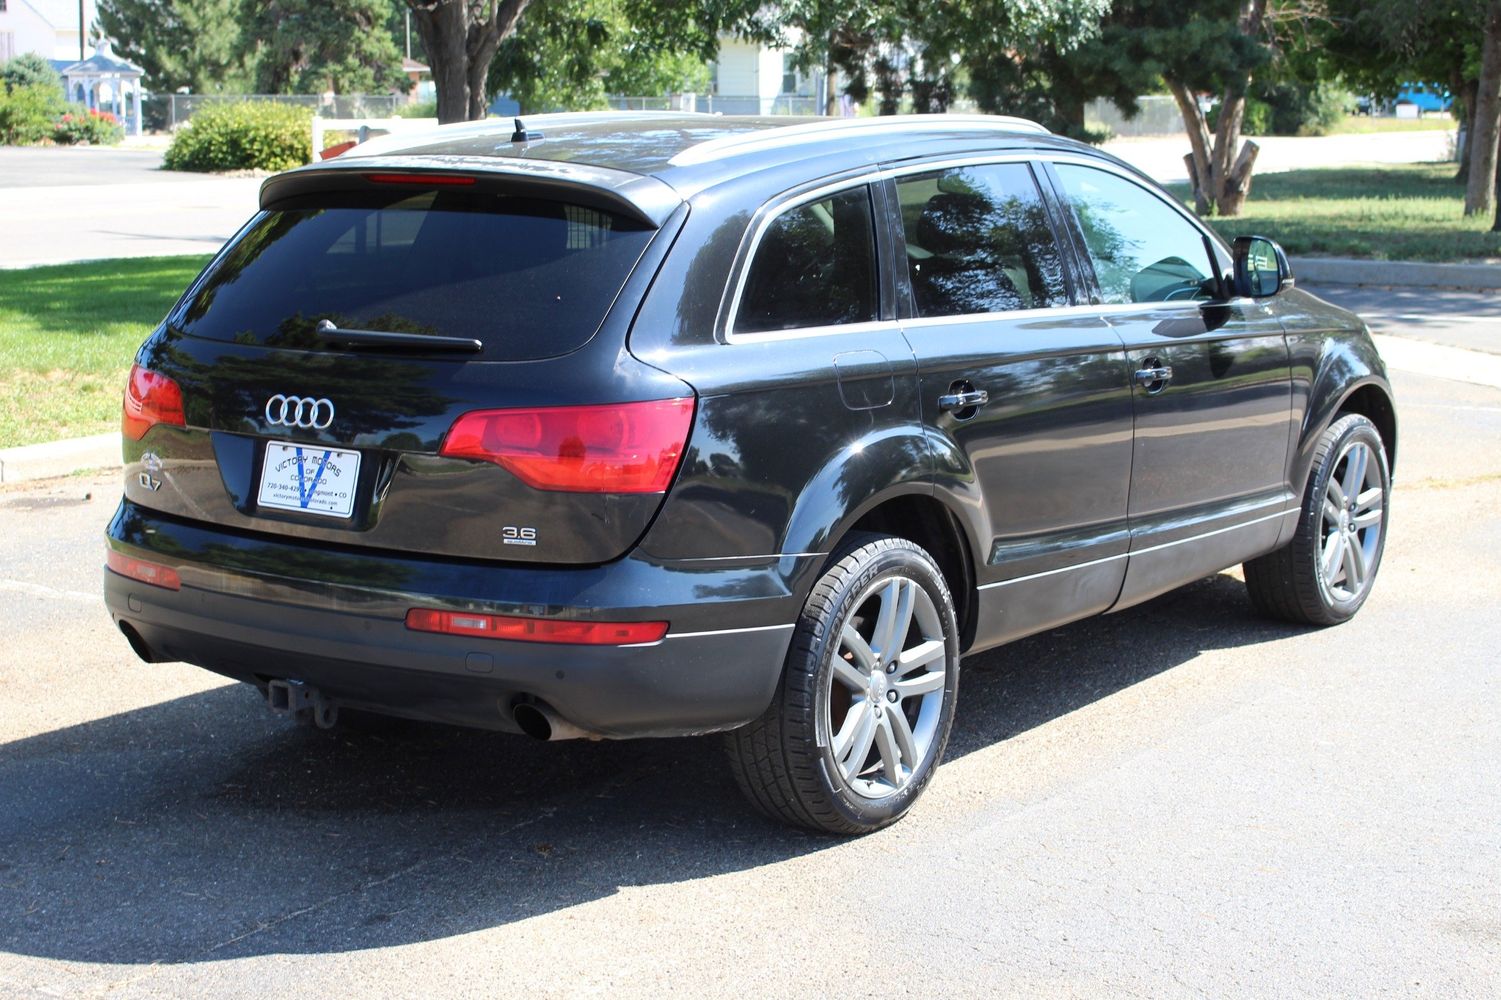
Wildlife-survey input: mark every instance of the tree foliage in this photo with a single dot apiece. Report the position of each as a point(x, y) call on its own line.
point(28, 70)
point(192, 44)
point(569, 54)
point(310, 46)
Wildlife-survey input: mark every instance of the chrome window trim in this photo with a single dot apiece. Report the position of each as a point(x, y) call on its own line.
point(890, 171)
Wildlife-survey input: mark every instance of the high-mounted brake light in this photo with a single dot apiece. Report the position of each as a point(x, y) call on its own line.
point(534, 629)
point(150, 399)
point(611, 448)
point(139, 569)
point(425, 180)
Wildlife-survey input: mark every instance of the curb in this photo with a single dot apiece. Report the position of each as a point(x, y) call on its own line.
point(59, 458)
point(1348, 271)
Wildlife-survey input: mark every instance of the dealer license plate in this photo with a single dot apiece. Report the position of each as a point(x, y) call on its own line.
point(309, 478)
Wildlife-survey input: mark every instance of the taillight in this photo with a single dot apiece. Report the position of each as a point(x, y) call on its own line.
point(150, 399)
point(422, 180)
point(534, 629)
point(613, 448)
point(139, 569)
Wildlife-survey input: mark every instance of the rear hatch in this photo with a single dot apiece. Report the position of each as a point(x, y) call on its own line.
point(424, 363)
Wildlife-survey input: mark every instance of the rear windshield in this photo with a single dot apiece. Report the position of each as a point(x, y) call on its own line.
point(529, 278)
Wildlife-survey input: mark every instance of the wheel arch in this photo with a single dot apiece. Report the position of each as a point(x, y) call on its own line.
point(923, 519)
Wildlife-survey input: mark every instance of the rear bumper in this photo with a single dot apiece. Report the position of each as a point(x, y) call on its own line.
point(257, 609)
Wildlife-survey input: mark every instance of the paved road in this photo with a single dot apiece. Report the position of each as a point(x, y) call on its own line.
point(1162, 158)
point(1470, 320)
point(1179, 800)
point(66, 204)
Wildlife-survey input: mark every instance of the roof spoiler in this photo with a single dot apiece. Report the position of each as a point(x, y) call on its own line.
point(644, 199)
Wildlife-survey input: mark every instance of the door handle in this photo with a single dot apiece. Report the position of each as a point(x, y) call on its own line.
point(963, 400)
point(1154, 376)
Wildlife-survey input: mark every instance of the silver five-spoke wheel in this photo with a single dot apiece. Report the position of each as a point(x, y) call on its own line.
point(1323, 574)
point(1354, 505)
point(862, 714)
point(886, 687)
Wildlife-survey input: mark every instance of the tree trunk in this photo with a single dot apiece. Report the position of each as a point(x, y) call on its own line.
point(1465, 91)
point(1221, 171)
point(1480, 186)
point(459, 50)
point(830, 89)
point(1496, 226)
point(1198, 140)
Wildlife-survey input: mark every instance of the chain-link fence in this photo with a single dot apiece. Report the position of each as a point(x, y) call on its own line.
point(1158, 116)
point(723, 104)
point(164, 112)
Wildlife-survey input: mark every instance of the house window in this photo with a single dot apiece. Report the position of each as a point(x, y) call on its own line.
point(7, 41)
point(789, 75)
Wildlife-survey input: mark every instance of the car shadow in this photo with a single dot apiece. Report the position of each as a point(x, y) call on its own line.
point(201, 828)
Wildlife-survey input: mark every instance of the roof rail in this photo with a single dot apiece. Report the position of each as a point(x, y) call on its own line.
point(808, 131)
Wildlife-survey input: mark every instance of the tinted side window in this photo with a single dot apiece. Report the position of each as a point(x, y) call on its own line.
point(815, 266)
point(1142, 250)
point(979, 241)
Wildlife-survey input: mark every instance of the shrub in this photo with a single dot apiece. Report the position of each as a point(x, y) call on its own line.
point(243, 136)
point(80, 124)
point(29, 70)
point(418, 109)
point(27, 113)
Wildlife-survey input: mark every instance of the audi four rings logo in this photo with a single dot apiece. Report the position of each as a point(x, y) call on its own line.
point(299, 411)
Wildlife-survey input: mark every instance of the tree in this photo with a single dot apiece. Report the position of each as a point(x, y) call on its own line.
point(570, 54)
point(309, 46)
point(1480, 188)
point(1384, 43)
point(460, 38)
point(192, 44)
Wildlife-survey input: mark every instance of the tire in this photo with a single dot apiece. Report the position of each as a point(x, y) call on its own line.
point(1325, 573)
point(817, 758)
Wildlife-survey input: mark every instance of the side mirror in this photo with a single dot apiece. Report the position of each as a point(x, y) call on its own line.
point(1261, 268)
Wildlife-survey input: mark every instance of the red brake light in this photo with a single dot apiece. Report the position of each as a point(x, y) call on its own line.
point(534, 629)
point(613, 448)
point(426, 180)
point(150, 399)
point(146, 572)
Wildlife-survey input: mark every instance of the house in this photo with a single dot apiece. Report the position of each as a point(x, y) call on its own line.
point(753, 79)
point(47, 27)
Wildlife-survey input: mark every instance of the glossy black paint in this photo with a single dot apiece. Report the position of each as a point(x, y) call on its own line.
point(1073, 490)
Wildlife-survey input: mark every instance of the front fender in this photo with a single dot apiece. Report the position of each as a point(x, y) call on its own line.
point(1340, 367)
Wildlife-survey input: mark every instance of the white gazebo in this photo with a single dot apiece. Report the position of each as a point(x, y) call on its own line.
point(104, 83)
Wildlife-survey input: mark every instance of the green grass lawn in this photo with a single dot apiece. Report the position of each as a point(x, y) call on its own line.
point(1365, 124)
point(1412, 211)
point(67, 336)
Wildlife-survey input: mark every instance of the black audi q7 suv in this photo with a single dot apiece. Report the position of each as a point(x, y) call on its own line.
point(653, 425)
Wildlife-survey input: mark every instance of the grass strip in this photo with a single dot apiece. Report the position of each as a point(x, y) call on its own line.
point(1406, 211)
point(67, 337)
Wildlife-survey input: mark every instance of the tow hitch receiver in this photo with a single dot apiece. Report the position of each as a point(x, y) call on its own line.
point(302, 703)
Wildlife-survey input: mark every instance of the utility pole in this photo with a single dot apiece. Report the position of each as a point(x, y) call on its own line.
point(83, 30)
point(409, 33)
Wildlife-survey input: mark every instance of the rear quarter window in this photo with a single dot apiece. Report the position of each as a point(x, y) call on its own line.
point(815, 265)
point(529, 278)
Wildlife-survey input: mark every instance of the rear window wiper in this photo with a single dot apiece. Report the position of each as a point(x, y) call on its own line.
point(396, 341)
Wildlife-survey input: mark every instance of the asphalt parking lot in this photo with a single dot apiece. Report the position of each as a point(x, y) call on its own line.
point(1179, 800)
